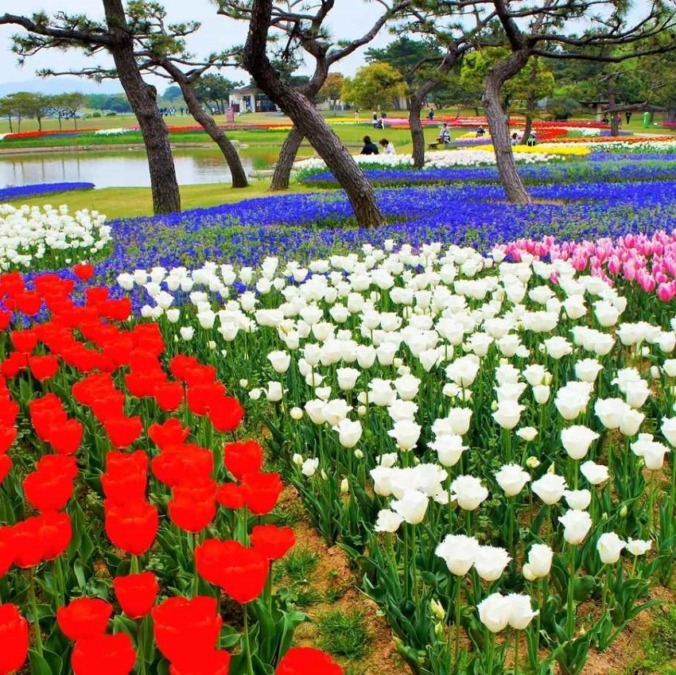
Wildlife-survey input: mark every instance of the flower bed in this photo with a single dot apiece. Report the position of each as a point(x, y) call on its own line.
point(25, 135)
point(34, 239)
point(40, 189)
point(491, 440)
point(120, 482)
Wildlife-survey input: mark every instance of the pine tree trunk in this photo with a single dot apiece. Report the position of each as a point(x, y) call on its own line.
point(499, 126)
point(307, 119)
point(239, 178)
point(287, 155)
point(527, 128)
point(163, 182)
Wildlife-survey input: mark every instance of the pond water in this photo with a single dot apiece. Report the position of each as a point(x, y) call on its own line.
point(128, 168)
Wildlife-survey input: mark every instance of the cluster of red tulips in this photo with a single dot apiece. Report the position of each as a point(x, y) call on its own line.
point(111, 418)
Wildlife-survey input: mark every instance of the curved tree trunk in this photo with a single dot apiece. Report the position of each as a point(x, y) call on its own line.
point(163, 182)
point(499, 126)
point(307, 119)
point(287, 155)
point(239, 178)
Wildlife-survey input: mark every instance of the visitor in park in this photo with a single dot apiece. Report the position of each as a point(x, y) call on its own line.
point(379, 124)
point(480, 132)
point(370, 148)
point(444, 135)
point(375, 116)
point(531, 140)
point(430, 115)
point(628, 114)
point(388, 147)
point(515, 138)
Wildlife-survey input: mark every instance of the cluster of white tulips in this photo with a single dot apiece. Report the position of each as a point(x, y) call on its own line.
point(118, 131)
point(433, 160)
point(31, 237)
point(500, 417)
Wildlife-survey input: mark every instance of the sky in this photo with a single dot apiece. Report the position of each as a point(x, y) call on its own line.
point(350, 18)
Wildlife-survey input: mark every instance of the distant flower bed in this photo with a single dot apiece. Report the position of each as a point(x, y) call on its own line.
point(25, 135)
point(25, 191)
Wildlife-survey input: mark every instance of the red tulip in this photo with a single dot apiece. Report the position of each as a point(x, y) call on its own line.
point(226, 414)
point(48, 490)
point(272, 541)
point(143, 383)
point(43, 367)
point(126, 477)
point(24, 340)
point(131, 527)
point(6, 549)
point(185, 627)
point(104, 655)
point(7, 438)
point(169, 395)
point(242, 458)
point(13, 364)
point(136, 593)
point(83, 271)
point(230, 496)
point(169, 433)
point(193, 505)
point(181, 461)
point(5, 319)
point(211, 663)
point(116, 310)
point(28, 303)
point(123, 431)
point(306, 660)
point(261, 491)
point(11, 284)
point(66, 437)
point(55, 531)
point(13, 639)
point(97, 295)
point(84, 618)
point(239, 571)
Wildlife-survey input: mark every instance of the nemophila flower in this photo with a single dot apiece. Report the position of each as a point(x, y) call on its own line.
point(549, 488)
point(576, 526)
point(84, 618)
point(13, 638)
point(539, 563)
point(512, 479)
point(577, 439)
point(609, 547)
point(458, 552)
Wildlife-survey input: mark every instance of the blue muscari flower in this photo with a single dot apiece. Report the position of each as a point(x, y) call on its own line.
point(25, 191)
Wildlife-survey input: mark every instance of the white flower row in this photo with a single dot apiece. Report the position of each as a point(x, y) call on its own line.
point(28, 234)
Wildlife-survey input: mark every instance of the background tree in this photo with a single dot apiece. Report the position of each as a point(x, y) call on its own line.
point(69, 105)
point(291, 27)
point(25, 105)
point(308, 30)
point(7, 111)
point(68, 31)
point(161, 49)
point(172, 94)
point(332, 89)
point(406, 56)
point(213, 91)
point(375, 86)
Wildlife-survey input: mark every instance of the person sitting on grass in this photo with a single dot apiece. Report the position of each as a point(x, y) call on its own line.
point(388, 147)
point(444, 135)
point(370, 148)
point(480, 132)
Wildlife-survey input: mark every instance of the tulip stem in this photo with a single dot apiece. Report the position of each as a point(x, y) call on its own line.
point(570, 609)
point(490, 655)
point(458, 620)
point(247, 643)
point(516, 652)
point(34, 610)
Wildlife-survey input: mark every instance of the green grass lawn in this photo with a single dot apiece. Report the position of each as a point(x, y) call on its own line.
point(129, 202)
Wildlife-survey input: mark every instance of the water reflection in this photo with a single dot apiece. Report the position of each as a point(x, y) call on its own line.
point(127, 169)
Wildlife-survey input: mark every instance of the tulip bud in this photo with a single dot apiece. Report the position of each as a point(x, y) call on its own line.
point(344, 486)
point(437, 610)
point(361, 410)
point(297, 459)
point(439, 630)
point(358, 454)
point(323, 475)
point(623, 511)
point(244, 383)
point(532, 462)
point(296, 413)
